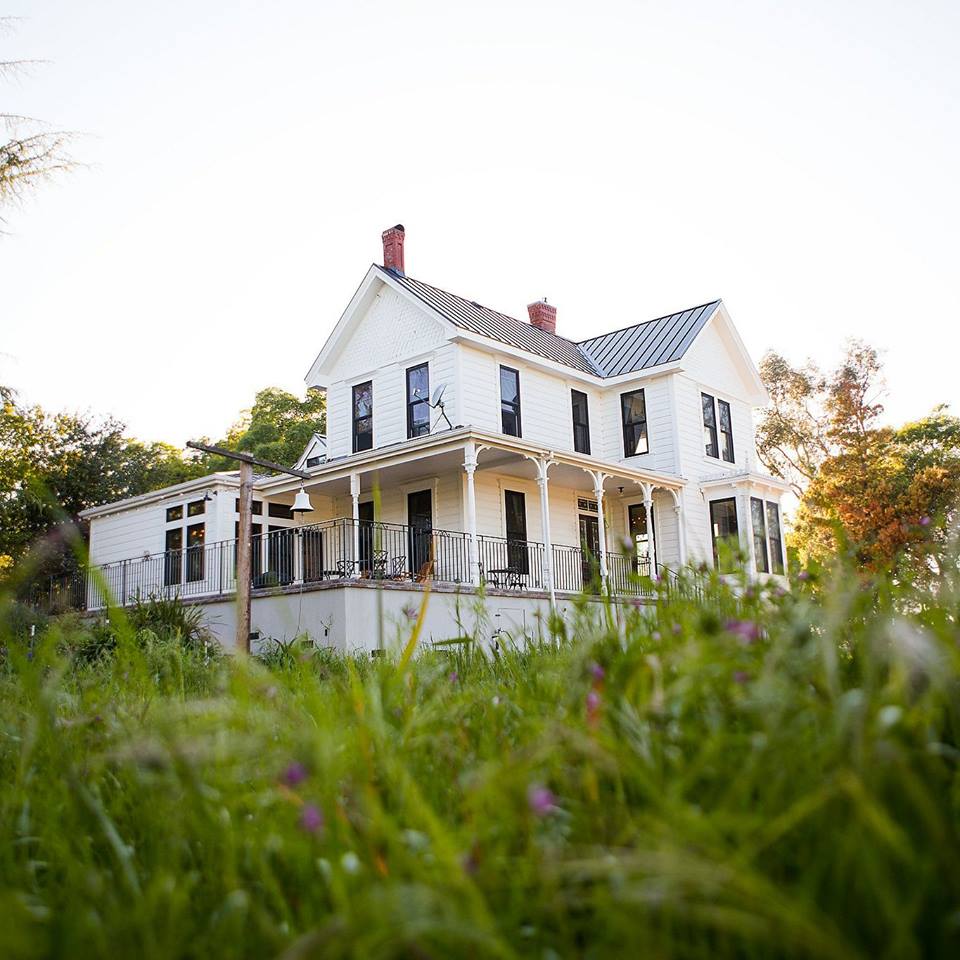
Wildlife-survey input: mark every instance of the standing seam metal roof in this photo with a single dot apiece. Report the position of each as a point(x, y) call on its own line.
point(623, 351)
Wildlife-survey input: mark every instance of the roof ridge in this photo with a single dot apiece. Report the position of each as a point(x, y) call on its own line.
point(640, 323)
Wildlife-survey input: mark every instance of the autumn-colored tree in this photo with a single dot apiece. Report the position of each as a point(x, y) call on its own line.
point(886, 492)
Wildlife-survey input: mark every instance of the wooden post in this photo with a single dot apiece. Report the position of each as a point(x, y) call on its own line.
point(244, 550)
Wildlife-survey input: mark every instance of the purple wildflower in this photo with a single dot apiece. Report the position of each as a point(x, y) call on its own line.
point(747, 630)
point(596, 671)
point(676, 629)
point(541, 800)
point(924, 521)
point(741, 677)
point(593, 701)
point(656, 636)
point(636, 602)
point(294, 775)
point(410, 612)
point(803, 575)
point(453, 676)
point(311, 818)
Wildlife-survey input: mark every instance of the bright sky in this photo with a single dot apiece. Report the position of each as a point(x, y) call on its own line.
point(623, 159)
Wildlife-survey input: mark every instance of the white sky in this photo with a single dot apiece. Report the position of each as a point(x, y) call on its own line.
point(802, 161)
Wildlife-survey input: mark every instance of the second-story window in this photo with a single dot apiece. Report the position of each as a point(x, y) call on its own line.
point(363, 416)
point(581, 422)
point(717, 443)
point(418, 393)
point(510, 401)
point(633, 410)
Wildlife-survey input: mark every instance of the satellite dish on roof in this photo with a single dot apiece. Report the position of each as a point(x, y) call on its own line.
point(436, 403)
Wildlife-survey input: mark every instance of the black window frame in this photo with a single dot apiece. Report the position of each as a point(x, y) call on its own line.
point(711, 439)
point(256, 507)
point(775, 539)
point(759, 536)
point(417, 428)
point(195, 552)
point(175, 513)
point(280, 511)
point(518, 555)
point(726, 436)
point(362, 439)
point(510, 407)
point(630, 442)
point(196, 508)
point(173, 557)
point(735, 534)
point(581, 428)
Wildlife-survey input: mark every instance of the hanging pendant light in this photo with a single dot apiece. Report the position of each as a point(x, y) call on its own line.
point(301, 502)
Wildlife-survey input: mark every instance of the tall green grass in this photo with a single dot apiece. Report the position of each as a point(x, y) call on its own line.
point(763, 776)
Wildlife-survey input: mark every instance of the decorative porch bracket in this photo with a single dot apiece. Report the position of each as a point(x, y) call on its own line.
point(598, 479)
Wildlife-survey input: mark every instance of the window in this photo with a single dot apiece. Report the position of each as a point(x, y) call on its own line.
point(515, 508)
point(281, 510)
point(773, 533)
point(418, 393)
point(714, 445)
point(195, 553)
point(174, 554)
point(174, 513)
point(725, 533)
point(196, 508)
point(633, 410)
point(709, 426)
point(256, 509)
point(363, 416)
point(759, 525)
point(510, 401)
point(581, 422)
point(314, 461)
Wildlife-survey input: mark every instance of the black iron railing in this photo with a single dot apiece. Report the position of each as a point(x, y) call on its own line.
point(340, 549)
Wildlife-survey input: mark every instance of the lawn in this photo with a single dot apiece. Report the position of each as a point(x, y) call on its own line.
point(769, 776)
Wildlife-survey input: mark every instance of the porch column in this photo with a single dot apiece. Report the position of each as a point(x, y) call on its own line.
point(355, 496)
point(473, 554)
point(543, 467)
point(651, 536)
point(681, 527)
point(598, 479)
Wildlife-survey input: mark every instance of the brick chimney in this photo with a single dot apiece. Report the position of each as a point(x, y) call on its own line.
point(543, 316)
point(393, 248)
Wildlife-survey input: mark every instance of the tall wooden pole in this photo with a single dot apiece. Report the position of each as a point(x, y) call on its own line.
point(244, 553)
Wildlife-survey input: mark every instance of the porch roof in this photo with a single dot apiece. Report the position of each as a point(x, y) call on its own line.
point(445, 450)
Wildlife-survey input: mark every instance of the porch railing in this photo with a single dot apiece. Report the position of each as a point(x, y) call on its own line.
point(340, 549)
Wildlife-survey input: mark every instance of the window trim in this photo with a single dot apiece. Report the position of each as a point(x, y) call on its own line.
point(778, 540)
point(624, 425)
point(718, 436)
point(517, 547)
point(354, 418)
point(759, 537)
point(713, 535)
point(413, 403)
point(517, 404)
point(714, 442)
point(585, 425)
point(726, 434)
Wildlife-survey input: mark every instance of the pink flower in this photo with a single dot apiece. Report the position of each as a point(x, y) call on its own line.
point(294, 775)
point(410, 612)
point(803, 575)
point(924, 521)
point(453, 676)
point(541, 800)
point(747, 630)
point(311, 818)
point(596, 671)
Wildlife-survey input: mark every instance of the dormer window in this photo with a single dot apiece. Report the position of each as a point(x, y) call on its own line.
point(717, 442)
point(418, 393)
point(633, 411)
point(363, 416)
point(510, 401)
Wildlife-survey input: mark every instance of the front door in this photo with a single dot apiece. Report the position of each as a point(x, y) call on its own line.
point(420, 535)
point(589, 551)
point(641, 538)
point(365, 515)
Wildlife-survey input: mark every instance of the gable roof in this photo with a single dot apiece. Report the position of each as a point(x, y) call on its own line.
point(628, 350)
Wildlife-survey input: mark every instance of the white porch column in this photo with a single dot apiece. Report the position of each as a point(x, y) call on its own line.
point(743, 506)
point(543, 466)
point(355, 496)
point(651, 533)
point(598, 479)
point(469, 467)
point(681, 526)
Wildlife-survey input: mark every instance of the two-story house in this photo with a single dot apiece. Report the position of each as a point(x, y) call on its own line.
point(480, 455)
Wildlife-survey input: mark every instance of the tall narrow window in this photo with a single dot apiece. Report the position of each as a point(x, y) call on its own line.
point(418, 393)
point(363, 416)
point(515, 507)
point(633, 411)
point(581, 422)
point(195, 554)
point(710, 444)
point(759, 524)
point(510, 401)
point(173, 558)
point(726, 430)
point(724, 533)
point(773, 534)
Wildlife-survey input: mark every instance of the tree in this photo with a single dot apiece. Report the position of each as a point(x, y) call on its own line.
point(278, 427)
point(888, 493)
point(33, 153)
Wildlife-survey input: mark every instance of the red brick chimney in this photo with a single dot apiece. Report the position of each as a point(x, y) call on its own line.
point(393, 248)
point(543, 316)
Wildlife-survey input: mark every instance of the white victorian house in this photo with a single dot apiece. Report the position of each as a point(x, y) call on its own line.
point(477, 456)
